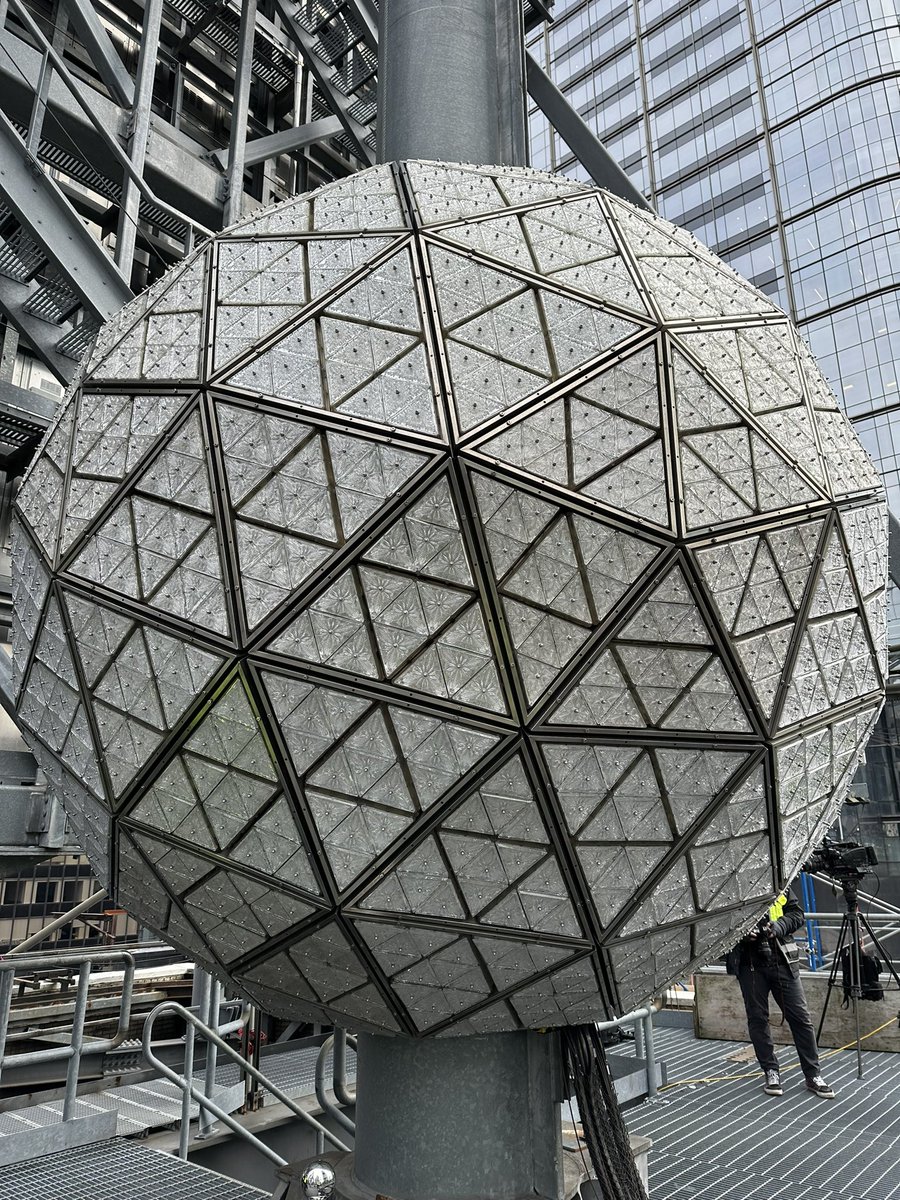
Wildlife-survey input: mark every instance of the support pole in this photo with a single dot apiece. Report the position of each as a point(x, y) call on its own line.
point(451, 81)
point(238, 138)
point(461, 1117)
point(126, 235)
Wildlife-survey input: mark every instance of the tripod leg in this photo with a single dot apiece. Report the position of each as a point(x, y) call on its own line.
point(832, 974)
point(856, 985)
point(889, 966)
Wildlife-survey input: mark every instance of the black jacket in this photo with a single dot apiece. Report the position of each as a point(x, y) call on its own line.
point(746, 952)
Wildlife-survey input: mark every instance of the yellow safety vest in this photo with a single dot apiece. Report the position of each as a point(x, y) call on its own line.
point(777, 909)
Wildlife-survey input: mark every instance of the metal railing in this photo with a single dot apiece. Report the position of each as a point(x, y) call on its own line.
point(204, 1096)
point(644, 1047)
point(23, 964)
point(339, 1041)
point(883, 916)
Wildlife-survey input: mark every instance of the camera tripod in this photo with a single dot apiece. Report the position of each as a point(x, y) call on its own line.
point(852, 925)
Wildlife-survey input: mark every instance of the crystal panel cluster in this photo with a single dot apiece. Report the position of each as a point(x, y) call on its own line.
point(449, 602)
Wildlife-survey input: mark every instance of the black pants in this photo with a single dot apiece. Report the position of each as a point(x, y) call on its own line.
point(756, 983)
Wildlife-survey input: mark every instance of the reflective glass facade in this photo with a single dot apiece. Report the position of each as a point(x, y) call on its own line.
point(770, 129)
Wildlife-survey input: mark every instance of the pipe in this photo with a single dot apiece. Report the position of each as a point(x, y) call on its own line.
point(339, 1066)
point(58, 923)
point(650, 1051)
point(213, 1000)
point(639, 1014)
point(322, 1096)
point(202, 981)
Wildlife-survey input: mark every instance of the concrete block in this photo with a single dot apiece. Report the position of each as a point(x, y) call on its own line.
point(719, 1012)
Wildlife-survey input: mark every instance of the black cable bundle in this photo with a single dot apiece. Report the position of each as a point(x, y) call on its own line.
point(601, 1120)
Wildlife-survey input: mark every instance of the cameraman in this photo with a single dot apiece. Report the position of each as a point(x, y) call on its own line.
point(764, 964)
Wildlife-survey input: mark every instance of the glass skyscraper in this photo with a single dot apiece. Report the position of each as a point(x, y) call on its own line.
point(771, 130)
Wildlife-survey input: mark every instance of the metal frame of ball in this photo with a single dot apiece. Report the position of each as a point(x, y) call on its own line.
point(597, 940)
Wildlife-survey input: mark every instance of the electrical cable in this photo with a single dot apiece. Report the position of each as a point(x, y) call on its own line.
point(605, 1132)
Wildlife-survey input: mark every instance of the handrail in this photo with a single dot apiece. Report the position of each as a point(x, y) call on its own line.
point(339, 1037)
point(10, 968)
point(204, 1101)
point(642, 1020)
point(57, 923)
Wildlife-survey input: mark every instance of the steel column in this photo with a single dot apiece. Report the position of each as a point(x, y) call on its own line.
point(462, 1117)
point(450, 81)
point(238, 137)
point(126, 235)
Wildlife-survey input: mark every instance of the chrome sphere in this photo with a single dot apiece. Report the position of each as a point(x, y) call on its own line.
point(317, 1181)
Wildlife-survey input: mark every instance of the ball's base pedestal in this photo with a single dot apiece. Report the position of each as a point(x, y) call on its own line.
point(464, 1118)
point(347, 1187)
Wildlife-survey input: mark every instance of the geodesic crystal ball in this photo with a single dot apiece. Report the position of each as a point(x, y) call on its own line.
point(450, 602)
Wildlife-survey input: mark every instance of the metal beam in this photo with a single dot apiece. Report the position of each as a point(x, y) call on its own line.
point(42, 336)
point(366, 15)
point(126, 234)
point(238, 136)
point(213, 10)
point(23, 405)
point(42, 209)
point(321, 72)
point(90, 103)
point(893, 549)
point(578, 136)
point(450, 81)
point(93, 36)
point(283, 142)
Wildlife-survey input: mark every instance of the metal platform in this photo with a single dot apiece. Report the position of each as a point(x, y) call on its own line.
point(116, 1169)
point(142, 1107)
point(729, 1141)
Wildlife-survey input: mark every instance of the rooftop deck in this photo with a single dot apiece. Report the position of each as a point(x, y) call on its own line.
point(727, 1140)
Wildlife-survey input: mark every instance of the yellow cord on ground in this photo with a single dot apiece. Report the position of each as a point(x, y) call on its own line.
point(753, 1074)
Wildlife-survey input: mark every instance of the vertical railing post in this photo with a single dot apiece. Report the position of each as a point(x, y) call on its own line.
point(39, 106)
point(201, 994)
point(74, 1067)
point(650, 1055)
point(207, 1120)
point(639, 1039)
point(7, 983)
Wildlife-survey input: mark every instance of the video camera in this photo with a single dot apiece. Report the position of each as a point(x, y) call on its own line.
point(842, 860)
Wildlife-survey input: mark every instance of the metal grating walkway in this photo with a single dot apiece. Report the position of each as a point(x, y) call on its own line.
point(118, 1170)
point(157, 1103)
point(729, 1141)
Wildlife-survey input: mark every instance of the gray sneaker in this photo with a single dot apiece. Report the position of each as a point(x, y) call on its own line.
point(819, 1087)
point(772, 1086)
